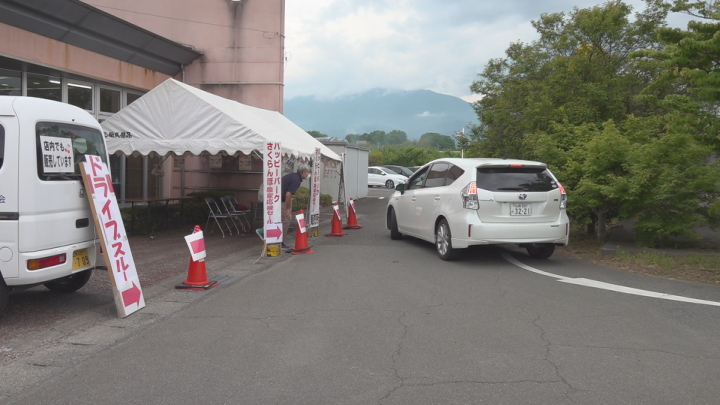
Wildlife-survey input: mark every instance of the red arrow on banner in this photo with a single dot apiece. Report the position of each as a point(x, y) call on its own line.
point(131, 295)
point(274, 233)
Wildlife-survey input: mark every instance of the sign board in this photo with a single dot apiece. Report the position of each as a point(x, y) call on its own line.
point(343, 182)
point(272, 181)
point(301, 222)
point(57, 154)
point(216, 162)
point(179, 161)
point(244, 163)
point(196, 244)
point(315, 192)
point(111, 230)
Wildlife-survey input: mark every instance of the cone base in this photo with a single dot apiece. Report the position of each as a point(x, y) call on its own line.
point(352, 227)
point(302, 251)
point(209, 285)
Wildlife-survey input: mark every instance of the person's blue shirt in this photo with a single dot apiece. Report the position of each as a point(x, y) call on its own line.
point(290, 182)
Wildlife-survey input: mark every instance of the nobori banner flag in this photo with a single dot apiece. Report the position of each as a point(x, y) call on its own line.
point(272, 181)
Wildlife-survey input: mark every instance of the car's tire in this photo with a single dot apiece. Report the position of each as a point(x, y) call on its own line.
point(541, 251)
point(4, 296)
point(70, 283)
point(443, 242)
point(394, 232)
point(390, 184)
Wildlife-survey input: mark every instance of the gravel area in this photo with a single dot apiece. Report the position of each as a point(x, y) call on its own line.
point(157, 259)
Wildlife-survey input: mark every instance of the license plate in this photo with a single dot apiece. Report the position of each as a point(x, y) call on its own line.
point(520, 209)
point(80, 259)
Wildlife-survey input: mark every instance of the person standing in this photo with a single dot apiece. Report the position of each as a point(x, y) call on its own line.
point(288, 187)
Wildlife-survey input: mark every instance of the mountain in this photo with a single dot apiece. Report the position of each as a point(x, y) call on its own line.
point(416, 112)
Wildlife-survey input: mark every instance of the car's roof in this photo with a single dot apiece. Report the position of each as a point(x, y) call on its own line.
point(475, 162)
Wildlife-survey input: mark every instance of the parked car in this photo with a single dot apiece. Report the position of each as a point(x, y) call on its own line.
point(399, 170)
point(456, 203)
point(379, 176)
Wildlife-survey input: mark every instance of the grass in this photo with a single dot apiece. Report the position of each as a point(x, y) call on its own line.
point(698, 266)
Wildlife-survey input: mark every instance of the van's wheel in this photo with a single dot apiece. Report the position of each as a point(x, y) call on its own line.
point(389, 184)
point(70, 283)
point(443, 242)
point(541, 252)
point(4, 296)
point(394, 232)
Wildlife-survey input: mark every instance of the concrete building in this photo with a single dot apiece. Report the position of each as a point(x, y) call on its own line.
point(105, 55)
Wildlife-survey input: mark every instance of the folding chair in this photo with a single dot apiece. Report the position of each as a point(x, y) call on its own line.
point(258, 211)
point(231, 204)
point(216, 214)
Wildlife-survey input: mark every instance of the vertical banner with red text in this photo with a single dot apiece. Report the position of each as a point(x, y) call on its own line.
point(272, 180)
point(315, 193)
point(111, 230)
point(343, 182)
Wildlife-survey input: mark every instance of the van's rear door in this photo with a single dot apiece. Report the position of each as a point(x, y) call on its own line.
point(8, 190)
point(54, 210)
point(517, 193)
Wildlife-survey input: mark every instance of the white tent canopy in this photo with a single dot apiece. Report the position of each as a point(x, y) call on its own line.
point(175, 117)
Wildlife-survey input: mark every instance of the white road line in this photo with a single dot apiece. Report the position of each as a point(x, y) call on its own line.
point(607, 286)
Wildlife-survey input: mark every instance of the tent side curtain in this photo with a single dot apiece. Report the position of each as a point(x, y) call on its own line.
point(177, 118)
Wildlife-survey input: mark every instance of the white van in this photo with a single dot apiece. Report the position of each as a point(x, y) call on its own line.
point(47, 234)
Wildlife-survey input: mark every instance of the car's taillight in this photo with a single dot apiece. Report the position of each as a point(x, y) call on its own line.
point(37, 264)
point(470, 197)
point(563, 197)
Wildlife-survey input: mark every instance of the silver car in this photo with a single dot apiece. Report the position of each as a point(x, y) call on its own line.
point(456, 203)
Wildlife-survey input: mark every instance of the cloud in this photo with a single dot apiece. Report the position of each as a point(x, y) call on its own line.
point(340, 47)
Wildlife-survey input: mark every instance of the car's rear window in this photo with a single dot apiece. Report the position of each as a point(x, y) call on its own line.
point(60, 148)
point(515, 179)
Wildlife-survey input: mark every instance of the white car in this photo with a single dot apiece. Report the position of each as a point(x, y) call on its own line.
point(456, 203)
point(380, 176)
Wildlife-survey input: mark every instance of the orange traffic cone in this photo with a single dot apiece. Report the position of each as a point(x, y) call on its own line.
point(197, 278)
point(301, 240)
point(336, 222)
point(351, 219)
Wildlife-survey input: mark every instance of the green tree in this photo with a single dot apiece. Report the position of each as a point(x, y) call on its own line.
point(438, 141)
point(579, 71)
point(375, 158)
point(396, 137)
point(317, 134)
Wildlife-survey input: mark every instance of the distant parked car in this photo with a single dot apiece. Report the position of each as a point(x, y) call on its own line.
point(399, 170)
point(414, 168)
point(456, 203)
point(380, 176)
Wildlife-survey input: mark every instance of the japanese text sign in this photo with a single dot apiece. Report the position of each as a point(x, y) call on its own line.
point(315, 194)
point(57, 154)
point(109, 224)
point(272, 186)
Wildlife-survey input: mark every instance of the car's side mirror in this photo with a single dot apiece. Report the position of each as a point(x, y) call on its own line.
point(400, 188)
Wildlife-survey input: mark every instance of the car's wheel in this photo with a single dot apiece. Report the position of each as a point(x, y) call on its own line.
point(541, 251)
point(4, 296)
point(394, 233)
point(70, 283)
point(443, 242)
point(390, 184)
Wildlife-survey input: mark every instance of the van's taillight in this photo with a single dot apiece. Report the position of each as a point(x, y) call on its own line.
point(470, 197)
point(37, 264)
point(563, 197)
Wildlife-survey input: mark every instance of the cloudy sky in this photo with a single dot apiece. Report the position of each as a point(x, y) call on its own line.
point(339, 47)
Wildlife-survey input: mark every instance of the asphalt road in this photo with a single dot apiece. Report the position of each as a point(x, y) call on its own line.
point(369, 320)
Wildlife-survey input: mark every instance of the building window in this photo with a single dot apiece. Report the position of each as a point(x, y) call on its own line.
point(109, 100)
point(42, 86)
point(80, 95)
point(131, 97)
point(10, 83)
